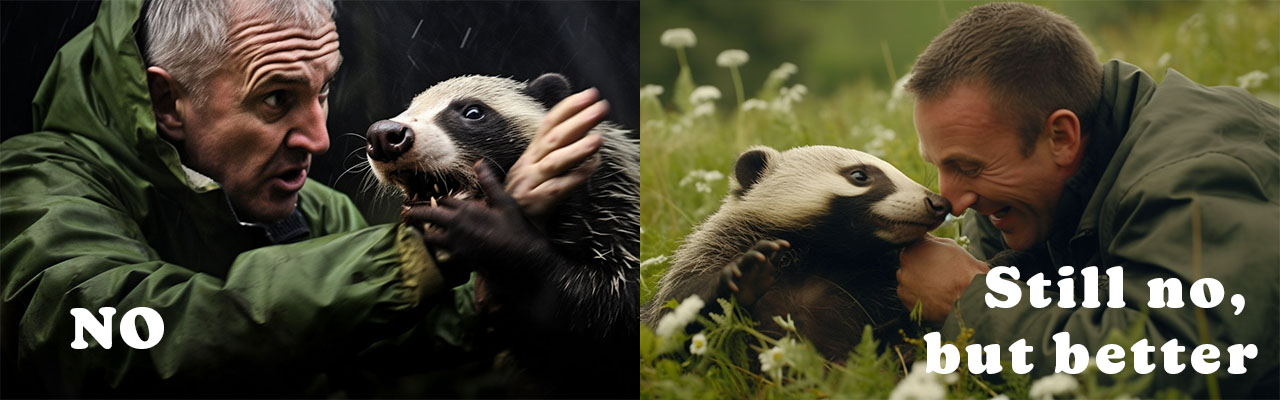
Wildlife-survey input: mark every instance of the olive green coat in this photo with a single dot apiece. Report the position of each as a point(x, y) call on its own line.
point(97, 211)
point(1161, 156)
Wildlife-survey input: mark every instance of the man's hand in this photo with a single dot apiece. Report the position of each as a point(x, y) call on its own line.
point(546, 171)
point(935, 271)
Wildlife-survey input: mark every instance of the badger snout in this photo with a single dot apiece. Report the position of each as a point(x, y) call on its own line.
point(388, 140)
point(937, 205)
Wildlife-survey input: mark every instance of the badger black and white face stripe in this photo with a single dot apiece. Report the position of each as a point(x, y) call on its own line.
point(457, 122)
point(798, 188)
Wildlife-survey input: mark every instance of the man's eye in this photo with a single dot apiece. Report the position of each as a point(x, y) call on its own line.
point(968, 171)
point(275, 99)
point(324, 90)
point(472, 112)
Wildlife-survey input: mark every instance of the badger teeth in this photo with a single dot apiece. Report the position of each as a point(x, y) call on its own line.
point(433, 202)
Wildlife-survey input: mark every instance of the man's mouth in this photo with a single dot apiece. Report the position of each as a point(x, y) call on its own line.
point(1001, 213)
point(998, 220)
point(292, 180)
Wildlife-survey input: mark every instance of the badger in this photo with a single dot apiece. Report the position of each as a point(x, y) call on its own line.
point(583, 292)
point(813, 232)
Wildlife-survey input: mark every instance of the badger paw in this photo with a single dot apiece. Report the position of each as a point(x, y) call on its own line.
point(753, 272)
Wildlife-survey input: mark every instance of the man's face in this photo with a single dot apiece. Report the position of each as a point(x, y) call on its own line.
point(265, 115)
point(981, 164)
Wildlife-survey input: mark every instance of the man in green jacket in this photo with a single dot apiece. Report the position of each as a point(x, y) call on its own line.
point(1072, 163)
point(175, 179)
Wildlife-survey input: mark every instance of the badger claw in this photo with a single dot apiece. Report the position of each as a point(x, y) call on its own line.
point(751, 274)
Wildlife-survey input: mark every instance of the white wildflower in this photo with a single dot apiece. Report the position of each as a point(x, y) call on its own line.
point(650, 91)
point(1252, 79)
point(1056, 384)
point(881, 137)
point(732, 58)
point(679, 38)
point(698, 345)
point(653, 261)
point(704, 110)
point(701, 179)
point(788, 95)
point(754, 104)
point(919, 385)
point(883, 133)
point(787, 324)
point(704, 94)
point(963, 240)
point(899, 91)
point(683, 315)
point(783, 71)
point(1164, 59)
point(773, 360)
point(797, 92)
point(951, 378)
point(1125, 397)
point(1000, 397)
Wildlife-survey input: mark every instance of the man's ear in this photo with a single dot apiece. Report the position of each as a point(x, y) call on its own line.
point(165, 92)
point(1066, 138)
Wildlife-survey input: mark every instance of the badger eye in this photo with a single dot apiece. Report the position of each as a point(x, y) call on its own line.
point(859, 176)
point(472, 112)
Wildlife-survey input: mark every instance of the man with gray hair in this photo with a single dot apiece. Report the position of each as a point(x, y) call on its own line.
point(175, 179)
point(1068, 164)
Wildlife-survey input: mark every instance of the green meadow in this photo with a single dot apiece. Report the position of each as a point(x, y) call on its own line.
point(831, 73)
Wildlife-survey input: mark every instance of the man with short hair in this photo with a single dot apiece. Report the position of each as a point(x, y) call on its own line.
point(176, 179)
point(1072, 163)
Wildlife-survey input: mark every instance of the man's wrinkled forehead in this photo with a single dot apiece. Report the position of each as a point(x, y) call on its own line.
point(262, 48)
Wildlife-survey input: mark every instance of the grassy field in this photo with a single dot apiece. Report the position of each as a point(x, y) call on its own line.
point(689, 147)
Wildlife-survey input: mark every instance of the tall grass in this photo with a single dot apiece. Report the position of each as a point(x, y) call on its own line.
point(689, 148)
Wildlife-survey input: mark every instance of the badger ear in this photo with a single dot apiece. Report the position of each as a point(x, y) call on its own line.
point(549, 89)
point(750, 166)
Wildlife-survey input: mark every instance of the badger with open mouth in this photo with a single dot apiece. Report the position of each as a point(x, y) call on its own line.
point(584, 291)
point(813, 232)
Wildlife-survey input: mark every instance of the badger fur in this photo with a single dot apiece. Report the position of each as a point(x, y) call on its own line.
point(587, 302)
point(812, 232)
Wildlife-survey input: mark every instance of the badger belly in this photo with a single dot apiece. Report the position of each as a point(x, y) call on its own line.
point(830, 315)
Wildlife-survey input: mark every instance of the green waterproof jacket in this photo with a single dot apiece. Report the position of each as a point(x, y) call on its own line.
point(97, 211)
point(1168, 165)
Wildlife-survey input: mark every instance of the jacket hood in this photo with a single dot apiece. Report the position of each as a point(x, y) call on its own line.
point(96, 88)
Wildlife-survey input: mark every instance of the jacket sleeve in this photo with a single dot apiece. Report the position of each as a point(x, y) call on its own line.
point(281, 316)
point(1150, 234)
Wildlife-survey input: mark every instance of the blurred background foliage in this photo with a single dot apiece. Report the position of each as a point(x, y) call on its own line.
point(839, 41)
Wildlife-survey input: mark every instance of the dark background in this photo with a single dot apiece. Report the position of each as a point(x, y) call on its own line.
point(392, 51)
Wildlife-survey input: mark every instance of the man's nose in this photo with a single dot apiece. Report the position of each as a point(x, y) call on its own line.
point(961, 198)
point(310, 132)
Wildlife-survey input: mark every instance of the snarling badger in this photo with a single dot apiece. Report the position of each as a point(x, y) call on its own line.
point(580, 294)
point(813, 232)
